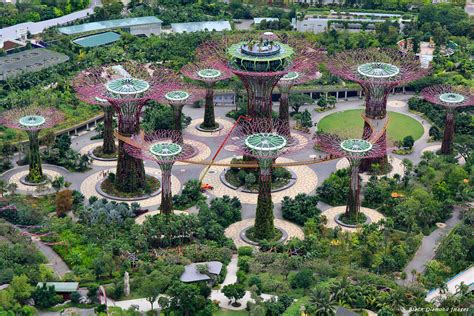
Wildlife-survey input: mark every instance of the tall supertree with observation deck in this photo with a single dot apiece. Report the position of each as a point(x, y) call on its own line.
point(159, 146)
point(208, 70)
point(32, 120)
point(132, 85)
point(265, 147)
point(377, 71)
point(450, 98)
point(177, 95)
point(355, 150)
point(259, 63)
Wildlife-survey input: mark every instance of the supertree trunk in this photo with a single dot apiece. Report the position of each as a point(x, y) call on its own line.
point(166, 206)
point(209, 115)
point(376, 109)
point(448, 136)
point(177, 123)
point(130, 175)
point(259, 92)
point(108, 146)
point(35, 171)
point(284, 115)
point(353, 198)
point(264, 227)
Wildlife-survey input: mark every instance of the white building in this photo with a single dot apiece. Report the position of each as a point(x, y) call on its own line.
point(209, 26)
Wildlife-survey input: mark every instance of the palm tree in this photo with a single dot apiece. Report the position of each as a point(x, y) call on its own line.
point(342, 291)
point(321, 303)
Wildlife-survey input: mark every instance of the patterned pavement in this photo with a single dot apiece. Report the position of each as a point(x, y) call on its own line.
point(191, 129)
point(233, 231)
point(306, 182)
point(28, 188)
point(396, 104)
point(88, 186)
point(332, 212)
point(204, 151)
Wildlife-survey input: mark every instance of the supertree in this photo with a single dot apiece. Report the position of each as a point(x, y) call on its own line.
point(208, 70)
point(265, 147)
point(32, 119)
point(301, 72)
point(259, 63)
point(450, 98)
point(82, 85)
point(354, 150)
point(377, 71)
point(177, 95)
point(127, 88)
point(159, 146)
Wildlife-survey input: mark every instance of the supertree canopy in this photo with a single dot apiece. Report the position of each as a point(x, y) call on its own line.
point(260, 63)
point(208, 70)
point(159, 146)
point(31, 120)
point(127, 87)
point(354, 150)
point(378, 71)
point(177, 95)
point(450, 98)
point(265, 147)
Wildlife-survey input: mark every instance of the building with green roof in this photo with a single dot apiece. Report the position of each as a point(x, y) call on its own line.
point(146, 25)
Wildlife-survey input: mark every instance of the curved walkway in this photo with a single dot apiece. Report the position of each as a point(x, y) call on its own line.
point(429, 244)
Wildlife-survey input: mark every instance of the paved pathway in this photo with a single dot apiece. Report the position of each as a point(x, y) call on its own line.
point(427, 249)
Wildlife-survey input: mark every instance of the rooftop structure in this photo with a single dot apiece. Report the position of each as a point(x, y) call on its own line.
point(210, 26)
point(29, 61)
point(146, 25)
point(192, 274)
point(97, 39)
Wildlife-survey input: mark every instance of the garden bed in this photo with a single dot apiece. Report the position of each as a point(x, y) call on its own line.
point(247, 235)
point(107, 189)
point(352, 221)
point(97, 154)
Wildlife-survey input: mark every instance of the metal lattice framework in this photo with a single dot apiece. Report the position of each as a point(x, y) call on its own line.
point(354, 150)
point(378, 71)
point(31, 120)
point(450, 98)
point(127, 88)
point(159, 146)
point(208, 70)
point(177, 95)
point(260, 138)
point(259, 63)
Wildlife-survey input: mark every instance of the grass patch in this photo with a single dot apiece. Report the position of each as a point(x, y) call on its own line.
point(98, 152)
point(151, 182)
point(399, 125)
point(249, 233)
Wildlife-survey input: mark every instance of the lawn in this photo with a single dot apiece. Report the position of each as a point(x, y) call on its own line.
point(350, 124)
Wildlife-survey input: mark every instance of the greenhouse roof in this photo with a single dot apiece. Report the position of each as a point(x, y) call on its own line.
point(28, 61)
point(62, 287)
point(109, 24)
point(201, 26)
point(97, 39)
point(259, 20)
point(192, 274)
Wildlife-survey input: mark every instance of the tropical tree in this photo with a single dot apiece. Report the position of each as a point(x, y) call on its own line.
point(234, 291)
point(321, 303)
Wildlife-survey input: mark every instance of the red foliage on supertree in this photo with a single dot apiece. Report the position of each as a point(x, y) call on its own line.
point(433, 95)
point(11, 118)
point(141, 146)
point(195, 70)
point(346, 63)
point(450, 98)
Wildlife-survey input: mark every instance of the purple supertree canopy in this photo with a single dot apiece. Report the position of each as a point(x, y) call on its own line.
point(208, 69)
point(140, 145)
point(352, 149)
point(448, 96)
point(376, 66)
point(178, 93)
point(272, 143)
point(91, 84)
point(31, 118)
